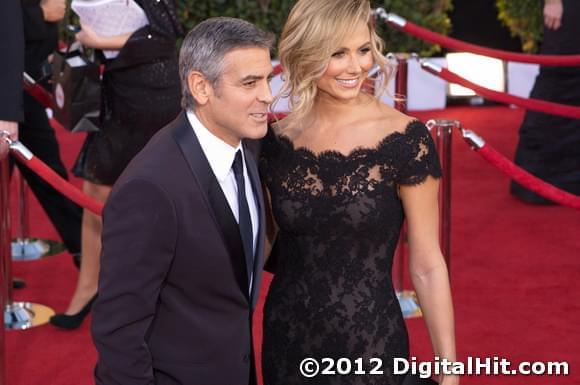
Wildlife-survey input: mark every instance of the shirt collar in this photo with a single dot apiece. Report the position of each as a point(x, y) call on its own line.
point(219, 154)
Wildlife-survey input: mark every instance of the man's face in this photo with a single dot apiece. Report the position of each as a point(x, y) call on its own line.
point(237, 107)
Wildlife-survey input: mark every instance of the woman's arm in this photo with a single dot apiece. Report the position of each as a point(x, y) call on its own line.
point(427, 267)
point(91, 39)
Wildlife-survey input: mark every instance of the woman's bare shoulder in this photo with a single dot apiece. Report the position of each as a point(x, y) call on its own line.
point(389, 120)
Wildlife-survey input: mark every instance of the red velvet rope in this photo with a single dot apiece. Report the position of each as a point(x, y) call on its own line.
point(61, 185)
point(530, 104)
point(458, 45)
point(527, 180)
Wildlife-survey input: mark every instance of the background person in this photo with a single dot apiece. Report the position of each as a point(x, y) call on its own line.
point(549, 145)
point(40, 20)
point(140, 94)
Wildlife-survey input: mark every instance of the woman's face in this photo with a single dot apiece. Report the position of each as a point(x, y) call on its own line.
point(348, 66)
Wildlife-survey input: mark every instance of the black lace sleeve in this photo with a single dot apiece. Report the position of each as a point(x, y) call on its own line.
point(420, 159)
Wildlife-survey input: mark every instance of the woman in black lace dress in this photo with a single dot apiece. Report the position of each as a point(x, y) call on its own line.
point(140, 94)
point(342, 171)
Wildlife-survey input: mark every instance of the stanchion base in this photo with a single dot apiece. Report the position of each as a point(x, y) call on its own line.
point(31, 249)
point(25, 315)
point(409, 304)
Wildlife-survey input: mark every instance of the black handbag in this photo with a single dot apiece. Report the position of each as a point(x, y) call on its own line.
point(77, 89)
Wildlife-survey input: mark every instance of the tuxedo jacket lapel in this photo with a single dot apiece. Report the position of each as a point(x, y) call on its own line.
point(214, 197)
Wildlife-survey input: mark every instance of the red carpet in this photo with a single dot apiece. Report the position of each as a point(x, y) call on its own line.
point(515, 275)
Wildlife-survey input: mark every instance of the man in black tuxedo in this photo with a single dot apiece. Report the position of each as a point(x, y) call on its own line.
point(12, 47)
point(184, 226)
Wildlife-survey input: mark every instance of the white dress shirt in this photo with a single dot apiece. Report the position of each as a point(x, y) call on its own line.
point(220, 156)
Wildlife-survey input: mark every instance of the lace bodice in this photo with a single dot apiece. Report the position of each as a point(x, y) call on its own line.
point(353, 192)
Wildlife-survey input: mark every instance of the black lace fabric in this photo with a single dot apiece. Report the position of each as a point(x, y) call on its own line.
point(339, 219)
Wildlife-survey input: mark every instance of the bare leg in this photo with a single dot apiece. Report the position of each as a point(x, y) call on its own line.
point(91, 250)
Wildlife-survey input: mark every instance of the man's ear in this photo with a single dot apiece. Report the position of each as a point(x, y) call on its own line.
point(199, 87)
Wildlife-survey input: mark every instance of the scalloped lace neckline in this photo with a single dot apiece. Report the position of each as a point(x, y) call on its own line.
point(360, 150)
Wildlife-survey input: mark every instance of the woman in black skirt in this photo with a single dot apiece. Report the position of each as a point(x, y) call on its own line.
point(140, 94)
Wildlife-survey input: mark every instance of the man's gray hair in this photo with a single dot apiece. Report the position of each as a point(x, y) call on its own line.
point(205, 46)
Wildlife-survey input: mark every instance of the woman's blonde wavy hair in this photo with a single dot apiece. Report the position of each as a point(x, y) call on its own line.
point(313, 31)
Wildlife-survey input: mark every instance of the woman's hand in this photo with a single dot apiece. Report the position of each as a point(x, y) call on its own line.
point(89, 38)
point(553, 11)
point(10, 129)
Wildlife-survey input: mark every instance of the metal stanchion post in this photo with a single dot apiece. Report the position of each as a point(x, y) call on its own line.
point(17, 315)
point(401, 82)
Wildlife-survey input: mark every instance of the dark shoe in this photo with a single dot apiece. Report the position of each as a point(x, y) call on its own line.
point(69, 322)
point(18, 283)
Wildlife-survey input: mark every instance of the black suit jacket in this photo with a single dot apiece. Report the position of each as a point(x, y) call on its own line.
point(174, 305)
point(12, 63)
point(41, 37)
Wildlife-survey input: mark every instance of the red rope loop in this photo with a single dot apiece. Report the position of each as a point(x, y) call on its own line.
point(458, 45)
point(530, 104)
point(523, 177)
